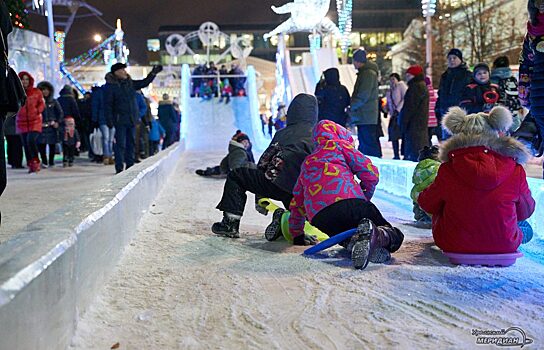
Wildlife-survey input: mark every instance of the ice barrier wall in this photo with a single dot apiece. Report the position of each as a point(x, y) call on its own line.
point(52, 270)
point(396, 179)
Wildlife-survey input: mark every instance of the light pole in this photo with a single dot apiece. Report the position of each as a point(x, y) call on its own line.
point(52, 45)
point(428, 7)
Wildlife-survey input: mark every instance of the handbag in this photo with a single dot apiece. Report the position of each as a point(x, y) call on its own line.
point(96, 142)
point(15, 95)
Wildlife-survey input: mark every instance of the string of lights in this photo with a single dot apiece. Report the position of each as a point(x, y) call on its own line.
point(344, 9)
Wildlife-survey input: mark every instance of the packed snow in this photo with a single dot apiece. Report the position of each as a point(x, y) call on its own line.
point(179, 286)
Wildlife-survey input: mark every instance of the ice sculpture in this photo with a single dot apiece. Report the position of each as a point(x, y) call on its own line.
point(306, 15)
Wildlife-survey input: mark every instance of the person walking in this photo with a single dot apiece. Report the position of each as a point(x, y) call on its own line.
point(29, 121)
point(120, 107)
point(105, 126)
point(452, 84)
point(332, 97)
point(414, 116)
point(52, 119)
point(395, 101)
point(364, 111)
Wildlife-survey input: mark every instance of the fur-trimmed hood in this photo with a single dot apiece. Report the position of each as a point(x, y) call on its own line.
point(506, 146)
point(483, 162)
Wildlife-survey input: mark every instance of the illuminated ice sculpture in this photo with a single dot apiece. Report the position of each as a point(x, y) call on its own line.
point(306, 16)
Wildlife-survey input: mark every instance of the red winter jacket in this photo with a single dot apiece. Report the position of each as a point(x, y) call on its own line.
point(29, 117)
point(479, 195)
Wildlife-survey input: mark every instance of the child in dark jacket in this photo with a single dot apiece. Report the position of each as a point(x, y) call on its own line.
point(239, 155)
point(424, 175)
point(480, 196)
point(70, 142)
point(327, 194)
point(480, 95)
point(502, 76)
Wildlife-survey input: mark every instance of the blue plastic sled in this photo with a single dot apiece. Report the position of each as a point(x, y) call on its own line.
point(330, 242)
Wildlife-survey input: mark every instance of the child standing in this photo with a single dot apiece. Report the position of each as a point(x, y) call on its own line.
point(480, 193)
point(156, 133)
point(327, 194)
point(424, 175)
point(70, 142)
point(480, 95)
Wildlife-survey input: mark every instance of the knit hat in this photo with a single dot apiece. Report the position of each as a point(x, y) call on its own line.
point(457, 121)
point(456, 52)
point(117, 66)
point(239, 137)
point(415, 70)
point(501, 62)
point(480, 66)
point(359, 56)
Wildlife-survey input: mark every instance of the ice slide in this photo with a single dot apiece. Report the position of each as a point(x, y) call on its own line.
point(208, 125)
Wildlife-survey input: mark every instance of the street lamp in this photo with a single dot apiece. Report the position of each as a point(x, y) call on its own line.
point(97, 38)
point(428, 7)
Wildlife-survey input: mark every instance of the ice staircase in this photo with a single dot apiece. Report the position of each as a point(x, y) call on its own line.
point(209, 125)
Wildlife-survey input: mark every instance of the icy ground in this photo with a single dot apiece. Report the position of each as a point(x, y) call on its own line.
point(30, 197)
point(178, 286)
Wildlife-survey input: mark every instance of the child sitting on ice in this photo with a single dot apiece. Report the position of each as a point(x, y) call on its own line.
point(424, 175)
point(480, 195)
point(327, 194)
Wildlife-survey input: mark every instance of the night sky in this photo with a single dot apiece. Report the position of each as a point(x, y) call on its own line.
point(142, 18)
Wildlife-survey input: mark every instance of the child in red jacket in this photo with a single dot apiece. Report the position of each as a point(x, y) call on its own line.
point(480, 193)
point(327, 194)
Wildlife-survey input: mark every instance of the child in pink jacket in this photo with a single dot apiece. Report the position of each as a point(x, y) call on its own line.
point(327, 194)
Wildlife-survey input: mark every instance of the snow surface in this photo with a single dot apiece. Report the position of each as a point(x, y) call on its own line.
point(178, 286)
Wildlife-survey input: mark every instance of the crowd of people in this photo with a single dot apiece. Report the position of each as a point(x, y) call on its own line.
point(311, 162)
point(112, 122)
point(209, 82)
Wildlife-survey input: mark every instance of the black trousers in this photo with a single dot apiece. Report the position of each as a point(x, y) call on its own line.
point(347, 214)
point(242, 180)
point(3, 171)
point(15, 150)
point(43, 153)
point(30, 144)
point(68, 153)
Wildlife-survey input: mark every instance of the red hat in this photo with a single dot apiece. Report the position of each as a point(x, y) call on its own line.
point(415, 70)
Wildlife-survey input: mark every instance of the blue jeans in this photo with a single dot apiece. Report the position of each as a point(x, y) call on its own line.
point(125, 136)
point(107, 140)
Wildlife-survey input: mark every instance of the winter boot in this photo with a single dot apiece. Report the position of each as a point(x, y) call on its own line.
point(228, 227)
point(273, 231)
point(106, 161)
point(385, 239)
point(360, 244)
point(527, 231)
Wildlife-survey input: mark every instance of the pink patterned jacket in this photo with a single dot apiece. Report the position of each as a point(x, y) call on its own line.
point(327, 175)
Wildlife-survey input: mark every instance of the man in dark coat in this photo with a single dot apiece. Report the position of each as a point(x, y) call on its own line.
point(5, 29)
point(364, 105)
point(121, 109)
point(333, 98)
point(277, 170)
point(452, 84)
point(414, 115)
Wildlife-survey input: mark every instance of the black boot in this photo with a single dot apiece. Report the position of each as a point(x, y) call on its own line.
point(273, 231)
point(360, 244)
point(229, 226)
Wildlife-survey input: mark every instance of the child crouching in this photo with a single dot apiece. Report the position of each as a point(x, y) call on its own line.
point(424, 175)
point(327, 194)
point(481, 192)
